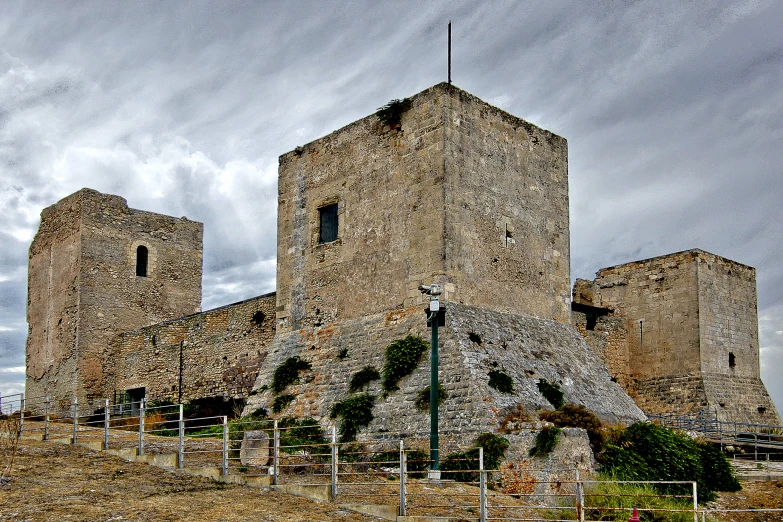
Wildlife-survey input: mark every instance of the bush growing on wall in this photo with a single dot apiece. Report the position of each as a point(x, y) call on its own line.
point(391, 113)
point(363, 378)
point(402, 357)
point(577, 416)
point(355, 413)
point(462, 465)
point(422, 401)
point(288, 373)
point(546, 441)
point(551, 392)
point(501, 381)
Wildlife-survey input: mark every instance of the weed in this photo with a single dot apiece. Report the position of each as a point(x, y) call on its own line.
point(402, 357)
point(363, 378)
point(288, 373)
point(501, 381)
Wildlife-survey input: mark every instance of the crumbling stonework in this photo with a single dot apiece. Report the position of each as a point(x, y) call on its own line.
point(83, 289)
point(691, 334)
point(213, 353)
point(473, 342)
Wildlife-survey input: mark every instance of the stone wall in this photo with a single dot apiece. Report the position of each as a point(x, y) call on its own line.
point(83, 287)
point(473, 342)
point(609, 340)
point(213, 353)
point(459, 193)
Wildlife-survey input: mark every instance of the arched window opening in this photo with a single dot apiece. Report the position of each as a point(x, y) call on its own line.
point(141, 261)
point(732, 360)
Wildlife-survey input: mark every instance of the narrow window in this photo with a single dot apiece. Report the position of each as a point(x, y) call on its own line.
point(732, 361)
point(141, 261)
point(328, 221)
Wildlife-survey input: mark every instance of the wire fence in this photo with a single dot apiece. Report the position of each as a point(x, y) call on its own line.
point(379, 470)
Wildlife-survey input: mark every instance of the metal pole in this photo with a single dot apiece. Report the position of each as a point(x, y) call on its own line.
point(224, 467)
point(21, 413)
point(141, 427)
point(75, 419)
point(449, 52)
point(334, 463)
point(482, 488)
point(275, 452)
point(695, 504)
point(46, 419)
point(403, 471)
point(434, 443)
point(106, 419)
point(181, 447)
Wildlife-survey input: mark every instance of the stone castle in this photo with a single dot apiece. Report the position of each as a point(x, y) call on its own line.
point(455, 192)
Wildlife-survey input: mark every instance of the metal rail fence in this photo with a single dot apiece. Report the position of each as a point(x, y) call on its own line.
point(378, 470)
point(725, 433)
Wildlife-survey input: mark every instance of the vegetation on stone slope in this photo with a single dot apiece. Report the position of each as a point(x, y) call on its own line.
point(402, 357)
point(288, 373)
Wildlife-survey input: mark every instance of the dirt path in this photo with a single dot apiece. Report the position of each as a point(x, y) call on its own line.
point(54, 482)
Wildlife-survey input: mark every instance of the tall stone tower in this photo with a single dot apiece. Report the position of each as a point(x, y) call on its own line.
point(457, 192)
point(98, 268)
point(452, 191)
point(690, 334)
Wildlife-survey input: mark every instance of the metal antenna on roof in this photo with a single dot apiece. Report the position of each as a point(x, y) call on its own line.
point(449, 52)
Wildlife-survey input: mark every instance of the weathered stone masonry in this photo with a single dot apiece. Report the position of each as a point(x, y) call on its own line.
point(83, 289)
point(689, 339)
point(214, 353)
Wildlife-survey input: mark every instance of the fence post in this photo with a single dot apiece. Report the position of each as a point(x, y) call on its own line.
point(755, 446)
point(580, 498)
point(46, 419)
point(275, 452)
point(482, 488)
point(75, 419)
point(224, 466)
point(403, 470)
point(141, 427)
point(106, 418)
point(695, 504)
point(181, 447)
point(21, 413)
point(720, 431)
point(334, 463)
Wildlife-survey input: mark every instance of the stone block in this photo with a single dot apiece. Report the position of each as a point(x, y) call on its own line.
point(255, 448)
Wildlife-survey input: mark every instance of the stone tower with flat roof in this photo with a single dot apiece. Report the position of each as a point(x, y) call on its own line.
point(456, 192)
point(98, 268)
point(683, 334)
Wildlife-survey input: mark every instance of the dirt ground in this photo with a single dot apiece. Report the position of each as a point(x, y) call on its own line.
point(54, 482)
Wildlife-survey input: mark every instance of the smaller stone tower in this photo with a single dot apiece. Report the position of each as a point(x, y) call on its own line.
point(98, 268)
point(687, 336)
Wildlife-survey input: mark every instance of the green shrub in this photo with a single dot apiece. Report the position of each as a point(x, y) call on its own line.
point(281, 402)
point(644, 451)
point(391, 113)
point(551, 392)
point(422, 401)
point(577, 416)
point(363, 378)
point(355, 413)
point(463, 466)
point(301, 434)
point(402, 357)
point(546, 441)
point(288, 373)
point(501, 381)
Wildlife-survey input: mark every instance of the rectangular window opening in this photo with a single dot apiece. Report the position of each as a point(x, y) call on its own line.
point(328, 224)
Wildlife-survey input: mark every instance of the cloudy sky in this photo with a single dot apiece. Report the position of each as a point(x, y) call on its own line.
point(673, 114)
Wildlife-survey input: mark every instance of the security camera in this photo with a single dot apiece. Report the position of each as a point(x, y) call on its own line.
point(434, 290)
